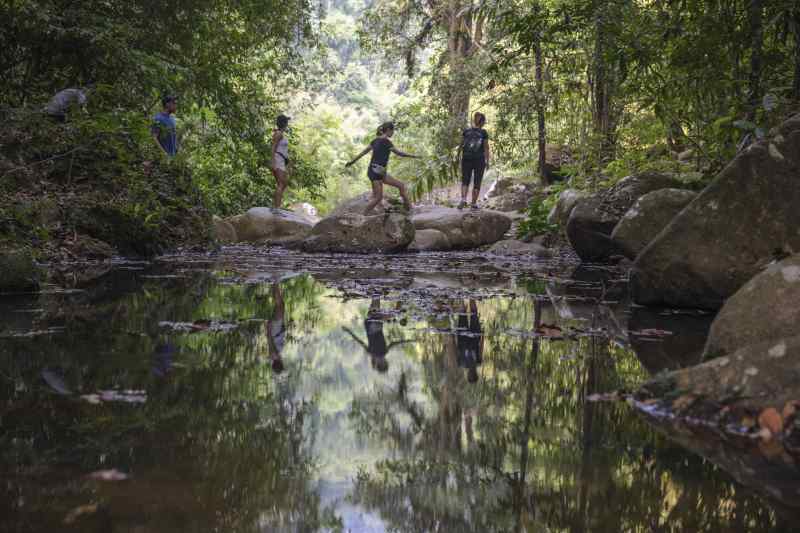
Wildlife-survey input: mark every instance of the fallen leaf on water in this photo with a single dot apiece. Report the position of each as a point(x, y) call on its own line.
point(682, 402)
point(771, 448)
point(789, 409)
point(108, 475)
point(651, 332)
point(80, 511)
point(548, 330)
point(764, 434)
point(771, 419)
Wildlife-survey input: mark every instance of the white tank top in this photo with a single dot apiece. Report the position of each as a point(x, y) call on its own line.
point(283, 146)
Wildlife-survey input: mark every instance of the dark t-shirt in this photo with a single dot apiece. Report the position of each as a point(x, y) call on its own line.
point(477, 152)
point(381, 148)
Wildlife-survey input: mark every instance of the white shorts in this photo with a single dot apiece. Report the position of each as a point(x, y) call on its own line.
point(278, 162)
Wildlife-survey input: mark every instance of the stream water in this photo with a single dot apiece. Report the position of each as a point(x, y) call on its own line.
point(418, 393)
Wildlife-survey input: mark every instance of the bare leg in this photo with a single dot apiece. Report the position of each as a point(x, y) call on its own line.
point(475, 192)
point(464, 190)
point(388, 180)
point(281, 181)
point(377, 196)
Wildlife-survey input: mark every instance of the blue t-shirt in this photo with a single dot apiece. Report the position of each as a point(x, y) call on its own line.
point(165, 127)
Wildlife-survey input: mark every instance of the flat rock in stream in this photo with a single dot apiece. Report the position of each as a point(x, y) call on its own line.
point(354, 233)
point(464, 228)
point(264, 225)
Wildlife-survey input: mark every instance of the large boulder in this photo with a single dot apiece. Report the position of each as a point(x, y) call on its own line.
point(649, 215)
point(566, 202)
point(358, 205)
point(765, 309)
point(515, 196)
point(306, 210)
point(224, 231)
point(264, 225)
point(18, 272)
point(464, 228)
point(730, 232)
point(355, 233)
point(594, 218)
point(429, 240)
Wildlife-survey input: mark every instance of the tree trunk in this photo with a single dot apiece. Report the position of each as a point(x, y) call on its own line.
point(796, 31)
point(755, 15)
point(544, 172)
point(601, 85)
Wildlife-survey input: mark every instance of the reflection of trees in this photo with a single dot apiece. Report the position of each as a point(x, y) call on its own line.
point(524, 449)
point(221, 442)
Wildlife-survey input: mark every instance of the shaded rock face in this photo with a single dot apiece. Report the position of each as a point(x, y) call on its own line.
point(264, 225)
point(359, 203)
point(18, 272)
point(766, 309)
point(427, 240)
point(513, 247)
point(464, 228)
point(224, 231)
point(649, 215)
point(567, 200)
point(730, 231)
point(354, 233)
point(594, 218)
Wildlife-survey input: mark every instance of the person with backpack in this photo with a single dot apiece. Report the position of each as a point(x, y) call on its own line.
point(474, 159)
point(381, 148)
point(280, 159)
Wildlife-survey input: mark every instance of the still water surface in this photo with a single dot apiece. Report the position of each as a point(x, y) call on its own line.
point(436, 394)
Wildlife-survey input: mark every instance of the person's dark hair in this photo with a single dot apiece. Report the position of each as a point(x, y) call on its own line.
point(282, 121)
point(383, 128)
point(277, 366)
point(479, 119)
point(167, 98)
point(472, 375)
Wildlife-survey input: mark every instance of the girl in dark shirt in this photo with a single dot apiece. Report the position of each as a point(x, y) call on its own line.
point(381, 147)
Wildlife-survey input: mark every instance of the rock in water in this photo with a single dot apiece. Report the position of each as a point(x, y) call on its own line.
point(264, 225)
point(464, 228)
point(649, 215)
point(730, 231)
point(594, 218)
point(566, 202)
point(513, 247)
point(224, 231)
point(427, 240)
point(358, 204)
point(765, 309)
point(354, 233)
point(18, 272)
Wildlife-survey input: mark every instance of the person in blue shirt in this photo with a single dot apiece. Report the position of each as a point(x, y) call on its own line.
point(164, 127)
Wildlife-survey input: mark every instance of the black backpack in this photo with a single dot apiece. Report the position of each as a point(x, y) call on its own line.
point(472, 147)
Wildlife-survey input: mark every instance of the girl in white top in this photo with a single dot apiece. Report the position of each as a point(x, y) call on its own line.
point(280, 159)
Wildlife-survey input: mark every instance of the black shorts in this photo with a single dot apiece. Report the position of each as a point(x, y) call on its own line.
point(470, 167)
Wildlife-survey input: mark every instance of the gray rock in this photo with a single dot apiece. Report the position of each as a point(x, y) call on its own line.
point(358, 204)
point(464, 228)
point(566, 202)
point(730, 232)
point(765, 310)
point(649, 215)
point(513, 247)
point(18, 272)
point(427, 240)
point(264, 225)
point(354, 233)
point(224, 231)
point(594, 218)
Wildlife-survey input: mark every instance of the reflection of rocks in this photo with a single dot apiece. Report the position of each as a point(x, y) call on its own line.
point(464, 228)
point(766, 309)
point(353, 233)
point(665, 340)
point(730, 231)
point(594, 218)
point(264, 225)
point(18, 272)
point(649, 215)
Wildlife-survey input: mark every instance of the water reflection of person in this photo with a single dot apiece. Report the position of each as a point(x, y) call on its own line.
point(376, 345)
point(276, 329)
point(469, 340)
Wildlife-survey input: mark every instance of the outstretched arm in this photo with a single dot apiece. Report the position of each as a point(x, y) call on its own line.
point(359, 156)
point(403, 154)
point(355, 338)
